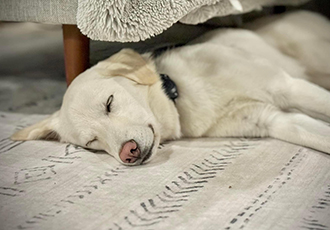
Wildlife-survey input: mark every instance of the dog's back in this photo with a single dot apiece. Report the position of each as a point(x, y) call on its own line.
point(302, 35)
point(252, 43)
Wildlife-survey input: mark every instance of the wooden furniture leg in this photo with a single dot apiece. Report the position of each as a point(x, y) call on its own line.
point(76, 52)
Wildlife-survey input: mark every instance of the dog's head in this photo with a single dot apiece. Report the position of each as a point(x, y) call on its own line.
point(106, 108)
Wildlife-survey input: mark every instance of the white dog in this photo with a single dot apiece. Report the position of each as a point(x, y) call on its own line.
point(230, 83)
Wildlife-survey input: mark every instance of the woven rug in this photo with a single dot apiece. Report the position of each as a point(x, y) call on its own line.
point(210, 183)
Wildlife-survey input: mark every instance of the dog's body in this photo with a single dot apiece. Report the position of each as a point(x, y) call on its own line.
point(231, 83)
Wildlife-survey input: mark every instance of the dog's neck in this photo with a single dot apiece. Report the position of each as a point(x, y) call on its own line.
point(165, 112)
point(163, 107)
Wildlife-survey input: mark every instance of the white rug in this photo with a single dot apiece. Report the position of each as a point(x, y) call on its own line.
point(191, 184)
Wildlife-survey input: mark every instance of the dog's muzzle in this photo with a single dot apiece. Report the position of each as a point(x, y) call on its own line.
point(139, 149)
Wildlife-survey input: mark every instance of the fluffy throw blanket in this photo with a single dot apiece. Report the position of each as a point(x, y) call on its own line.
point(137, 20)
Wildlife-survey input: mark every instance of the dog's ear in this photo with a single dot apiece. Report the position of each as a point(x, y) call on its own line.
point(45, 129)
point(128, 63)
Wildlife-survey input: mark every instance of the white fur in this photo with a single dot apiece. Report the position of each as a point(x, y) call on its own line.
point(231, 83)
point(302, 35)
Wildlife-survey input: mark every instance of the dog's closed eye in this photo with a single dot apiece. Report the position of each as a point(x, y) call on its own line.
point(108, 104)
point(91, 141)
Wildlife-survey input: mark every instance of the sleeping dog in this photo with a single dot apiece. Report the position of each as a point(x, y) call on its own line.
point(227, 83)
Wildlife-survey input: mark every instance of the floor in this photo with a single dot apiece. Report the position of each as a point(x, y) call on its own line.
point(32, 76)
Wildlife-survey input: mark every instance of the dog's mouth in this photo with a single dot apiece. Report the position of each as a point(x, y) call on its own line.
point(148, 155)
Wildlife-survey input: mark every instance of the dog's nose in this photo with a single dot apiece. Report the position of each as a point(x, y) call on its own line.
point(130, 152)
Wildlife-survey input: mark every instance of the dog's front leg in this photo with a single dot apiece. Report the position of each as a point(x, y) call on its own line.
point(301, 129)
point(258, 119)
point(304, 96)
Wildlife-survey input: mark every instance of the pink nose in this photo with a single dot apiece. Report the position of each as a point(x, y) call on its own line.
point(129, 152)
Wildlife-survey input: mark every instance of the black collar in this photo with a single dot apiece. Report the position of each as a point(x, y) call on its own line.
point(169, 87)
